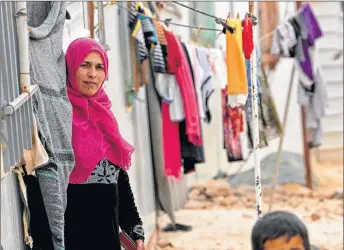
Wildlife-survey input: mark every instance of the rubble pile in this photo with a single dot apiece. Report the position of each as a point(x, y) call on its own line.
point(214, 194)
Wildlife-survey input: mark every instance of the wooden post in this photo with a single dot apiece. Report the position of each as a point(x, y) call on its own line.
point(306, 153)
point(280, 146)
point(90, 13)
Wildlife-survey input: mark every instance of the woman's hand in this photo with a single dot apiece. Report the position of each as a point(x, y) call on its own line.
point(140, 245)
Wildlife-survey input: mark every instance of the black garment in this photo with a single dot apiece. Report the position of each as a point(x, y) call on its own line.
point(91, 220)
point(39, 225)
point(297, 30)
point(191, 154)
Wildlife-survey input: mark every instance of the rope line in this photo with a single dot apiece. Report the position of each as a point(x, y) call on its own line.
point(218, 20)
point(168, 21)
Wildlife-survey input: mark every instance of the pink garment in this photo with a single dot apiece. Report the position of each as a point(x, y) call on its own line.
point(178, 65)
point(171, 143)
point(95, 132)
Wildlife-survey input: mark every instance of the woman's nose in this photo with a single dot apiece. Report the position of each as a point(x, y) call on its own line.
point(92, 73)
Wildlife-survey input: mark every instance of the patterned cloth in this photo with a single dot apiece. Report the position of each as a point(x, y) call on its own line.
point(162, 40)
point(232, 126)
point(52, 108)
point(105, 173)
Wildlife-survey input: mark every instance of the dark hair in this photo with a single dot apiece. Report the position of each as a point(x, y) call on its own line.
point(276, 224)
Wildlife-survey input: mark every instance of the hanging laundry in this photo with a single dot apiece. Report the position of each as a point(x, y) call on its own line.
point(163, 86)
point(215, 154)
point(247, 37)
point(137, 32)
point(171, 146)
point(314, 32)
point(284, 39)
point(149, 32)
point(272, 124)
point(218, 68)
point(236, 73)
point(248, 74)
point(198, 75)
point(139, 49)
point(177, 64)
point(163, 45)
point(150, 36)
point(300, 34)
point(207, 87)
point(167, 88)
point(232, 125)
point(191, 154)
point(295, 38)
point(316, 107)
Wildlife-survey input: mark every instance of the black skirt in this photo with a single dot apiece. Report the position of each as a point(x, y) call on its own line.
point(91, 217)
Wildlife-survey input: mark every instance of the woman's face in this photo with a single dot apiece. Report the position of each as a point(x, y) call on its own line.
point(90, 75)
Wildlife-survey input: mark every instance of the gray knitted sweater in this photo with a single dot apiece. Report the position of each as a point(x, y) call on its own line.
point(52, 108)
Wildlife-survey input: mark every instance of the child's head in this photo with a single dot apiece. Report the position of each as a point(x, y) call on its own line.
point(280, 231)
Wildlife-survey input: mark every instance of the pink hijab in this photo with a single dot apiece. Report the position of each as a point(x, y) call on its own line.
point(95, 133)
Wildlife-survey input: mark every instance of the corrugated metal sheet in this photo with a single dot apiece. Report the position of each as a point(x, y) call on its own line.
point(15, 128)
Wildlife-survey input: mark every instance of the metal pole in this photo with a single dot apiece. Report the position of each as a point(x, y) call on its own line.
point(102, 38)
point(308, 172)
point(23, 42)
point(255, 122)
point(278, 158)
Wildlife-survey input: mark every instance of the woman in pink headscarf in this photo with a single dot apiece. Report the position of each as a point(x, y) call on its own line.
point(99, 193)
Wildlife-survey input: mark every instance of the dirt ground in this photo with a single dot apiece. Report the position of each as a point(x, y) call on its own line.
point(222, 218)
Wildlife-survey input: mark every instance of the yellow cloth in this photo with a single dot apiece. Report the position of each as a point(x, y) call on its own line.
point(236, 71)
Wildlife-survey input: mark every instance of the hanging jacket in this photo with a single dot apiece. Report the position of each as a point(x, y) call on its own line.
point(52, 108)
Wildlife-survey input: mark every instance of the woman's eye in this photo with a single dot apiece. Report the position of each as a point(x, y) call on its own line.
point(83, 65)
point(100, 67)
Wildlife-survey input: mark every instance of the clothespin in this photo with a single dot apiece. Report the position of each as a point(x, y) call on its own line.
point(167, 21)
point(238, 15)
point(196, 34)
point(251, 13)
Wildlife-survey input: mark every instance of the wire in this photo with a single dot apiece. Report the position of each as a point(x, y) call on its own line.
point(218, 20)
point(201, 12)
point(168, 21)
point(267, 35)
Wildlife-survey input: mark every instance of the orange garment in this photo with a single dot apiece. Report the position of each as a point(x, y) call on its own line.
point(236, 71)
point(160, 32)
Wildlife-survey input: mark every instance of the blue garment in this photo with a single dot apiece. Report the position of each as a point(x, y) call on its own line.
point(248, 74)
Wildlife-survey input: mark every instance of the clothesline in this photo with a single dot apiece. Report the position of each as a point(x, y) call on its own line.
point(168, 21)
point(209, 15)
point(193, 9)
point(267, 35)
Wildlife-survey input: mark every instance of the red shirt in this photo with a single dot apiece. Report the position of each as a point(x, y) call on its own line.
point(247, 37)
